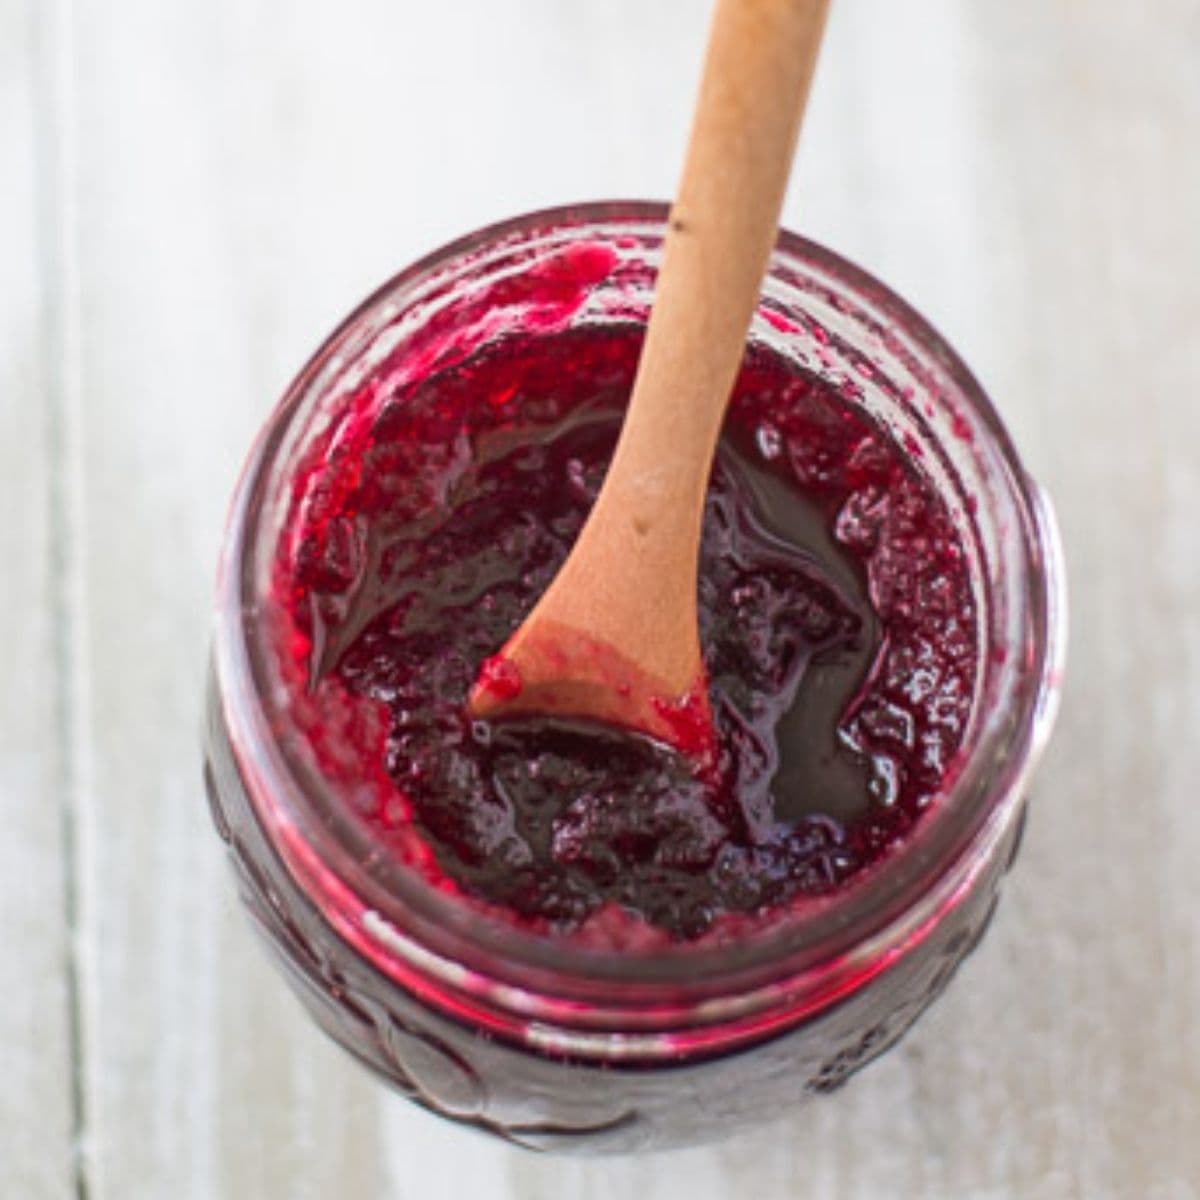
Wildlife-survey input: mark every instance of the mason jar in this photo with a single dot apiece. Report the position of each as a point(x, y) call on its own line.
point(541, 1040)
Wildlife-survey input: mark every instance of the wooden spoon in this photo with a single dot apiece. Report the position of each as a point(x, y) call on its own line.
point(615, 638)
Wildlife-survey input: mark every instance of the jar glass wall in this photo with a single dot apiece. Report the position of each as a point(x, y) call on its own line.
point(540, 1039)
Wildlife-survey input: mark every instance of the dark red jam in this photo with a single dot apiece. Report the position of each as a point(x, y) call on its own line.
point(837, 620)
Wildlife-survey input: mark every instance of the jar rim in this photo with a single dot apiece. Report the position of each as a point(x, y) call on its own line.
point(410, 918)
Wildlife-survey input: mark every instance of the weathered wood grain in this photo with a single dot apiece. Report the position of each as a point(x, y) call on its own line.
point(36, 1120)
point(1024, 173)
point(202, 1079)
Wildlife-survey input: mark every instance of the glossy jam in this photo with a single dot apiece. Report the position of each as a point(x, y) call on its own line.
point(837, 620)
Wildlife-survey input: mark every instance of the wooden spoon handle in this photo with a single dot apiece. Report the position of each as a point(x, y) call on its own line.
point(758, 68)
point(638, 592)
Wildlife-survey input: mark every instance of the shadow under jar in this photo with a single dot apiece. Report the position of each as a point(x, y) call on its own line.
point(567, 1038)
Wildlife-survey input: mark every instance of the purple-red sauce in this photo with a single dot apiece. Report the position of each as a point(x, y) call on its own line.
point(837, 621)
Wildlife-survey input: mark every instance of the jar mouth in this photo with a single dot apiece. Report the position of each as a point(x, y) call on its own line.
point(391, 911)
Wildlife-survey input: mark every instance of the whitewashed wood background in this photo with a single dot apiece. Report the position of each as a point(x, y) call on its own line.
point(192, 192)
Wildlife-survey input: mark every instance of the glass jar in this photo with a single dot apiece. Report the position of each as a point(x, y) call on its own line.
point(542, 1041)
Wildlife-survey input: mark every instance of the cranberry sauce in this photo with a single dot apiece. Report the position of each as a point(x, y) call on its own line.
point(837, 621)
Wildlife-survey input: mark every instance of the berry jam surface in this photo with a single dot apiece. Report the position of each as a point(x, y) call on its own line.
point(837, 621)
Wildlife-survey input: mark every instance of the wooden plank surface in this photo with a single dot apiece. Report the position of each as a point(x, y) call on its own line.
point(239, 175)
point(36, 1117)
